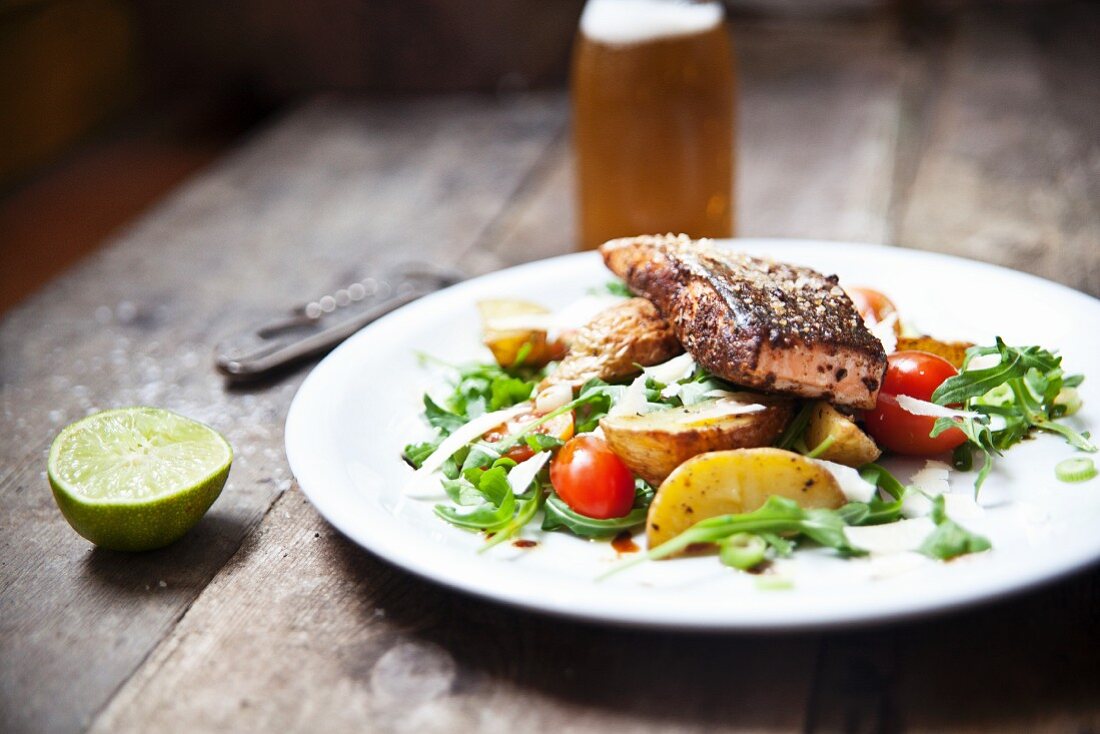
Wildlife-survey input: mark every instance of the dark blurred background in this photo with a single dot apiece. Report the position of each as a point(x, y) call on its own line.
point(107, 104)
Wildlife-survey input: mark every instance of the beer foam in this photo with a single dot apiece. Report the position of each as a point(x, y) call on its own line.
point(622, 22)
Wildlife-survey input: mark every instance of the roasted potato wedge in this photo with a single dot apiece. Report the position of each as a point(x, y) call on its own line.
point(507, 344)
point(654, 444)
point(615, 342)
point(850, 446)
point(953, 352)
point(730, 482)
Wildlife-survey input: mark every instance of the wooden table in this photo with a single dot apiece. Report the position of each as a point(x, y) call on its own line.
point(977, 136)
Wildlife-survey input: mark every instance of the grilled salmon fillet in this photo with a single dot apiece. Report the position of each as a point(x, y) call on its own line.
point(754, 322)
point(614, 342)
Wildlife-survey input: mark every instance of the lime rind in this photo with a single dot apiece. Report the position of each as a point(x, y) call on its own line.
point(136, 479)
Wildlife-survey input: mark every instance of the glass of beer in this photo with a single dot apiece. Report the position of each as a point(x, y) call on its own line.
point(653, 119)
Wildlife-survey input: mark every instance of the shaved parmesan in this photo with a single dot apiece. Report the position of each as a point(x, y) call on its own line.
point(884, 332)
point(462, 435)
point(895, 537)
point(854, 487)
point(521, 476)
point(915, 504)
point(931, 481)
point(740, 395)
point(922, 407)
point(674, 370)
point(722, 408)
point(672, 391)
point(633, 400)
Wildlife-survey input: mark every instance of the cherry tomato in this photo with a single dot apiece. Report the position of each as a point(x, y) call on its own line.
point(591, 479)
point(916, 374)
point(872, 305)
point(560, 427)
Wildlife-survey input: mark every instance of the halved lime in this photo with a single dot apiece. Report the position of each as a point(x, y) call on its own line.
point(137, 478)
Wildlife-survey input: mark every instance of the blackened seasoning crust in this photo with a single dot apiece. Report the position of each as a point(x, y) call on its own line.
point(755, 322)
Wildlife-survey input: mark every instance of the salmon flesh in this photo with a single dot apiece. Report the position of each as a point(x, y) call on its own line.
point(763, 324)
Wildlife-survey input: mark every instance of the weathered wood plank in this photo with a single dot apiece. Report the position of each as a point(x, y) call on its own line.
point(540, 221)
point(855, 685)
point(316, 202)
point(1026, 664)
point(1023, 665)
point(1009, 154)
point(818, 115)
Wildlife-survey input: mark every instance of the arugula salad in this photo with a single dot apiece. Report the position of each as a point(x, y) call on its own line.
point(567, 430)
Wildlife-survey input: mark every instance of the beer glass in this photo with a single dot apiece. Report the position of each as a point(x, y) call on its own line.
point(653, 119)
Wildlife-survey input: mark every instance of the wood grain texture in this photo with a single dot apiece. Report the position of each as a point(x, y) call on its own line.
point(1023, 664)
point(540, 221)
point(316, 202)
point(1007, 146)
point(818, 120)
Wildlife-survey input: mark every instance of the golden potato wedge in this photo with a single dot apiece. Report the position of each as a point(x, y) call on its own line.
point(953, 352)
point(654, 444)
point(850, 445)
point(507, 344)
point(731, 482)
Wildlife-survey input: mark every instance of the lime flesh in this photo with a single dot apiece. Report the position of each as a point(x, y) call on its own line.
point(137, 478)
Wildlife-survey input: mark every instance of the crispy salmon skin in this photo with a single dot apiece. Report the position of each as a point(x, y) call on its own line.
point(755, 322)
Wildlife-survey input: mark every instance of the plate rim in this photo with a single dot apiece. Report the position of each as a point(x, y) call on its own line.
point(299, 466)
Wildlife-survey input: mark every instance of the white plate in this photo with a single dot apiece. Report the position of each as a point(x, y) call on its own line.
point(360, 405)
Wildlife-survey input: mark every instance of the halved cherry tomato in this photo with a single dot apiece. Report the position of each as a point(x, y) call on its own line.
point(560, 427)
point(592, 479)
point(916, 374)
point(872, 305)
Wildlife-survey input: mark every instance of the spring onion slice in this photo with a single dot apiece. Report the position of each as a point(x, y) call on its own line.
point(1075, 469)
point(774, 583)
point(821, 447)
point(742, 551)
point(1071, 399)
